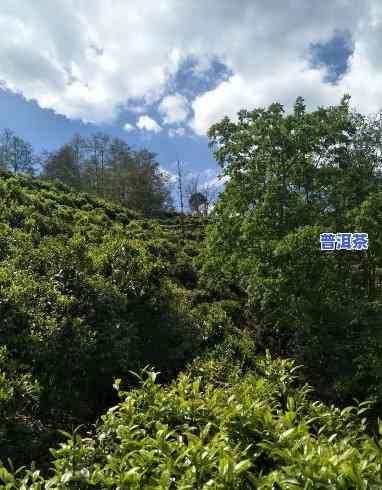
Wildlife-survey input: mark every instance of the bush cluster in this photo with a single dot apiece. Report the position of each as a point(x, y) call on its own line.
point(255, 430)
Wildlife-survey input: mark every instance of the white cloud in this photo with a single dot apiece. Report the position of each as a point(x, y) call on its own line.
point(208, 178)
point(240, 92)
point(172, 132)
point(128, 127)
point(174, 109)
point(148, 124)
point(91, 60)
point(172, 178)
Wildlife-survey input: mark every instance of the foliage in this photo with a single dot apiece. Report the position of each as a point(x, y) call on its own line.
point(290, 178)
point(19, 403)
point(109, 168)
point(87, 292)
point(258, 430)
point(92, 292)
point(15, 153)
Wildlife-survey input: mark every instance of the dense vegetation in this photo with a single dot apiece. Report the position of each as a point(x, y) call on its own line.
point(145, 339)
point(88, 291)
point(292, 177)
point(216, 427)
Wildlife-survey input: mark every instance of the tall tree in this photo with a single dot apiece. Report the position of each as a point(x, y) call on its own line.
point(15, 153)
point(200, 197)
point(119, 158)
point(180, 171)
point(97, 147)
point(292, 177)
point(107, 167)
point(63, 166)
point(147, 188)
point(5, 148)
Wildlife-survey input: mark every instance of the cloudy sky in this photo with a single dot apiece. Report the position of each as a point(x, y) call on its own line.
point(158, 73)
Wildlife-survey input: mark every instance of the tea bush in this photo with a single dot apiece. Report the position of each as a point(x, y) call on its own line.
point(257, 430)
point(88, 291)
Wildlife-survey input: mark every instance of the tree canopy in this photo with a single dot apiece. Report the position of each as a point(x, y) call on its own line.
point(292, 177)
point(108, 167)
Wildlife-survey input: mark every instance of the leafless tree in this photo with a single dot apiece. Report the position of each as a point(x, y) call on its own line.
point(200, 197)
point(180, 169)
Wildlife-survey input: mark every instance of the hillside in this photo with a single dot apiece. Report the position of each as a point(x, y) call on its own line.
point(90, 292)
point(163, 350)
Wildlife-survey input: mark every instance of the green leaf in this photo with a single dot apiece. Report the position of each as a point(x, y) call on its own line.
point(66, 477)
point(5, 476)
point(242, 466)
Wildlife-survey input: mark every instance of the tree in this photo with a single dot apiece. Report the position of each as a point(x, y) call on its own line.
point(147, 188)
point(97, 147)
point(107, 167)
point(200, 198)
point(15, 153)
point(135, 180)
point(292, 177)
point(115, 181)
point(198, 202)
point(180, 184)
point(63, 166)
point(5, 148)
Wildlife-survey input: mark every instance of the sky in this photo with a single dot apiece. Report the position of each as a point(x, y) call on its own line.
point(159, 73)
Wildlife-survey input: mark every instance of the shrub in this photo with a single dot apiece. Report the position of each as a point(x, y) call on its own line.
point(259, 431)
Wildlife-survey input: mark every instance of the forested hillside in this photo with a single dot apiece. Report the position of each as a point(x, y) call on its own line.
point(99, 165)
point(163, 350)
point(89, 291)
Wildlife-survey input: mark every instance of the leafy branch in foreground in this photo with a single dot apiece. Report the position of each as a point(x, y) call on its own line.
point(258, 431)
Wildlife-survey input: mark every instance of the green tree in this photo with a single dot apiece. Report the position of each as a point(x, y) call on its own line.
point(63, 166)
point(97, 148)
point(143, 186)
point(292, 177)
point(107, 167)
point(15, 153)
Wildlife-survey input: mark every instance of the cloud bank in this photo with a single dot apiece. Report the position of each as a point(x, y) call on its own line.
point(91, 59)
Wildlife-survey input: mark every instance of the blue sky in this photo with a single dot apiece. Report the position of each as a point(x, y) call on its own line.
point(159, 74)
point(45, 129)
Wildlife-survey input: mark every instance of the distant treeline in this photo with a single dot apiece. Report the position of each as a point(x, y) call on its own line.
point(100, 165)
